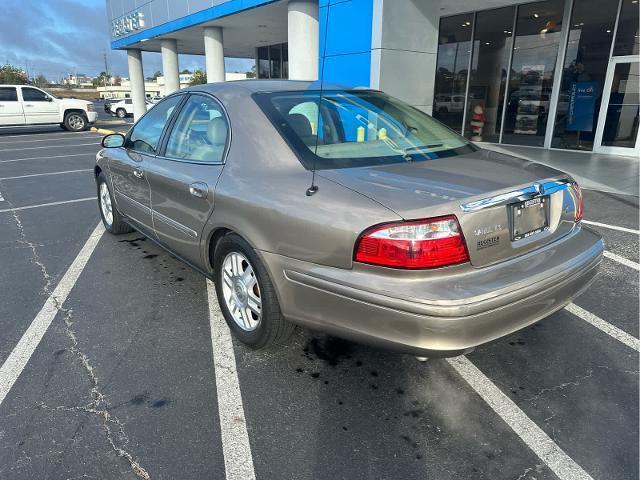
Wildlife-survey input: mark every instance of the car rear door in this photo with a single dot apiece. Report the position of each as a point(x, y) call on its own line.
point(127, 166)
point(39, 107)
point(11, 111)
point(184, 176)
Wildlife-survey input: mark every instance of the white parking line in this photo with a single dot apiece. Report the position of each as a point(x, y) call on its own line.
point(57, 139)
point(45, 174)
point(47, 157)
point(532, 435)
point(622, 260)
point(606, 327)
point(238, 461)
point(19, 357)
point(612, 227)
point(51, 204)
point(48, 146)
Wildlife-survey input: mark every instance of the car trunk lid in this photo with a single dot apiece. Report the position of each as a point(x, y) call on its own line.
point(480, 188)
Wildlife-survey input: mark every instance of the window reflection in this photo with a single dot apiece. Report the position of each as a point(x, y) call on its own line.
point(627, 40)
point(454, 47)
point(621, 122)
point(538, 32)
point(491, 52)
point(583, 75)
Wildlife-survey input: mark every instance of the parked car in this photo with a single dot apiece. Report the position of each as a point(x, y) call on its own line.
point(124, 108)
point(27, 105)
point(107, 106)
point(381, 225)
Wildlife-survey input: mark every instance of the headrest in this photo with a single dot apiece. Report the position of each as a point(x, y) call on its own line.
point(300, 124)
point(217, 131)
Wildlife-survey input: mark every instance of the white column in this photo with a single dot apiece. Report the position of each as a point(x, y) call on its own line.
point(170, 69)
point(136, 78)
point(303, 39)
point(214, 54)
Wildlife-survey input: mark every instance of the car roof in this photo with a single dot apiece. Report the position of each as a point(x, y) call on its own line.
point(259, 86)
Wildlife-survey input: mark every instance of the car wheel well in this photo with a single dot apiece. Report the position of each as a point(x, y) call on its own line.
point(74, 110)
point(216, 236)
point(97, 171)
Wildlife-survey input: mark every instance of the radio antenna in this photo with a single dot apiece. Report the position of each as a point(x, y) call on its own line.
point(314, 188)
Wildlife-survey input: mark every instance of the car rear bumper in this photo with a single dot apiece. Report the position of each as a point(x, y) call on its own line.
point(440, 313)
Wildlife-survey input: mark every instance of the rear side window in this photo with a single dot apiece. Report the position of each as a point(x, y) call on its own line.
point(357, 128)
point(34, 95)
point(145, 136)
point(8, 94)
point(200, 132)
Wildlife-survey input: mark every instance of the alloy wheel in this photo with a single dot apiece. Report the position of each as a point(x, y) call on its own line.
point(241, 291)
point(105, 204)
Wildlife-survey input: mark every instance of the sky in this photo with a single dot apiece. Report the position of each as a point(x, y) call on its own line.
point(56, 38)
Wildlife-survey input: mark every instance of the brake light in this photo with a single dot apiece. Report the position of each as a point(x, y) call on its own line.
point(430, 243)
point(579, 202)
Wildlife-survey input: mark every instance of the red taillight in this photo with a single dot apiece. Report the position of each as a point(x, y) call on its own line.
point(430, 243)
point(579, 202)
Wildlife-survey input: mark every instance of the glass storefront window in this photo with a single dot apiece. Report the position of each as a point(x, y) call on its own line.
point(454, 48)
point(583, 76)
point(627, 40)
point(275, 56)
point(621, 122)
point(492, 45)
point(535, 51)
point(263, 62)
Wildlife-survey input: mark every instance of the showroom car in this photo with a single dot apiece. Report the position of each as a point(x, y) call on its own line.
point(350, 212)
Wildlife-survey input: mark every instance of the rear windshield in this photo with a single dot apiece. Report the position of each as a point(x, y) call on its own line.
point(342, 129)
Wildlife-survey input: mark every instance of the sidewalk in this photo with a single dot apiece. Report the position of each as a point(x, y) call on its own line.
point(607, 173)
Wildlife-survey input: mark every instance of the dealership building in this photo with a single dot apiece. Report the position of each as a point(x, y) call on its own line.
point(554, 74)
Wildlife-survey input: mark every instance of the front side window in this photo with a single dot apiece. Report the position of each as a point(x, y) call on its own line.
point(200, 132)
point(341, 129)
point(145, 136)
point(8, 94)
point(34, 95)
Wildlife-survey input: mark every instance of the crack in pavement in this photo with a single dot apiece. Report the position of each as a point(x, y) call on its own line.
point(99, 405)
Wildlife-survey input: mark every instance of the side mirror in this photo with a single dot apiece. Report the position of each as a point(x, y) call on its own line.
point(113, 140)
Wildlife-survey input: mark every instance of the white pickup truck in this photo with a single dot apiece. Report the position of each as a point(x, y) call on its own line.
point(27, 105)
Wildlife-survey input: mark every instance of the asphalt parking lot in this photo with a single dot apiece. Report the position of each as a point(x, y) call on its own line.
point(115, 364)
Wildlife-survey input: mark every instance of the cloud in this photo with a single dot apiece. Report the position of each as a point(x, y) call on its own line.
point(67, 36)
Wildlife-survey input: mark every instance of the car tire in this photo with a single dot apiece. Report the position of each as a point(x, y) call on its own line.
point(111, 219)
point(121, 113)
point(271, 328)
point(76, 122)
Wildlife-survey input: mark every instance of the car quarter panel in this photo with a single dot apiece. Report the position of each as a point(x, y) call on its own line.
point(261, 195)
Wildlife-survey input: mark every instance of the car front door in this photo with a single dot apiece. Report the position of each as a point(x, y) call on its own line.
point(11, 112)
point(184, 176)
point(127, 165)
point(39, 106)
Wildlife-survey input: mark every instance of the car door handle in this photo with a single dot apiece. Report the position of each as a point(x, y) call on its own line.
point(29, 105)
point(138, 172)
point(199, 189)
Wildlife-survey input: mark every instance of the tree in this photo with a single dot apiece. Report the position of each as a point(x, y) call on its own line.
point(11, 75)
point(251, 73)
point(187, 71)
point(198, 78)
point(101, 80)
point(41, 81)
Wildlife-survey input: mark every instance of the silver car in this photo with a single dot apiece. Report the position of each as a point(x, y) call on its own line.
point(350, 212)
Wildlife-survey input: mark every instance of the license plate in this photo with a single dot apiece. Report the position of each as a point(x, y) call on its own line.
point(529, 218)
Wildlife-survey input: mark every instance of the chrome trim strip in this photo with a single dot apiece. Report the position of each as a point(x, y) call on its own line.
point(172, 223)
point(526, 193)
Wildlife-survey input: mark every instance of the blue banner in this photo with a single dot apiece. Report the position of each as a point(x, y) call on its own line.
point(582, 104)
